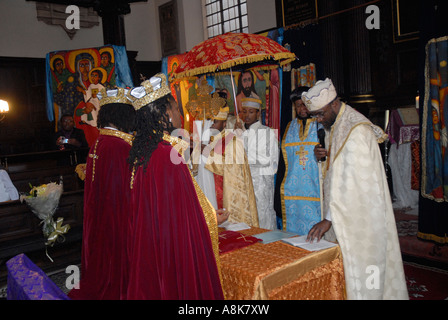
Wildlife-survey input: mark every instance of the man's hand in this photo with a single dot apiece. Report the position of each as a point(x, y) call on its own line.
point(238, 123)
point(319, 152)
point(222, 215)
point(318, 230)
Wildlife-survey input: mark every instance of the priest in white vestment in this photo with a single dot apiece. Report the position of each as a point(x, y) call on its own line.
point(261, 145)
point(357, 202)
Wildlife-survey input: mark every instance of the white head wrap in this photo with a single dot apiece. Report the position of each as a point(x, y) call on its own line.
point(251, 103)
point(321, 94)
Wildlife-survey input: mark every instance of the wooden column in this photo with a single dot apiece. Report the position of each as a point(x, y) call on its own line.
point(358, 58)
point(332, 44)
point(113, 21)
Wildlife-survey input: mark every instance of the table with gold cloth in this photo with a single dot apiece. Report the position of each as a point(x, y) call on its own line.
point(279, 271)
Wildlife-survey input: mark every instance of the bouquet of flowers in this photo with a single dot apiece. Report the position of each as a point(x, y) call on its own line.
point(43, 201)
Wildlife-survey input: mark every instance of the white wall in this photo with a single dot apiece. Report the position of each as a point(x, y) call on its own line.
point(23, 36)
point(142, 31)
point(261, 15)
point(143, 28)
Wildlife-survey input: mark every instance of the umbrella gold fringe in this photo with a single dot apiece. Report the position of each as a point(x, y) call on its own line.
point(283, 58)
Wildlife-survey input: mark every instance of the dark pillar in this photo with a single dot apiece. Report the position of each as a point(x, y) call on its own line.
point(112, 13)
point(332, 45)
point(358, 58)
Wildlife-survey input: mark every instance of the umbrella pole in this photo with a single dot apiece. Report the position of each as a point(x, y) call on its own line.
point(234, 94)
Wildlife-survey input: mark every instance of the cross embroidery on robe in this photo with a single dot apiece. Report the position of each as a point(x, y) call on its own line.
point(302, 156)
point(94, 156)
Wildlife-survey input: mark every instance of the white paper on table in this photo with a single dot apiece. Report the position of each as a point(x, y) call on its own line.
point(234, 226)
point(310, 246)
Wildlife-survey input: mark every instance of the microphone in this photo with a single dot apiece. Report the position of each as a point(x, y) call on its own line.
point(321, 136)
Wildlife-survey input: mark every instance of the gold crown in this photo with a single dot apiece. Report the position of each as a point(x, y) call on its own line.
point(149, 91)
point(117, 95)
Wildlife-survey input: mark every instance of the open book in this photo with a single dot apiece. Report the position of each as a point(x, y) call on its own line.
point(310, 246)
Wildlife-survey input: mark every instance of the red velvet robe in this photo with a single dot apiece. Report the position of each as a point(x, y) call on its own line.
point(172, 255)
point(104, 262)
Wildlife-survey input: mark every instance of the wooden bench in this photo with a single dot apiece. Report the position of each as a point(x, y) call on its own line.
point(21, 232)
point(20, 229)
point(44, 167)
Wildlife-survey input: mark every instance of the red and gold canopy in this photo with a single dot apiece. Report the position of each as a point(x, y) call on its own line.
point(229, 50)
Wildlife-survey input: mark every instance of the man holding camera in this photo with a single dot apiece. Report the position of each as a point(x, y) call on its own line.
point(69, 137)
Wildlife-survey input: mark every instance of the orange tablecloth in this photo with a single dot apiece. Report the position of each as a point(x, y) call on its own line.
point(279, 271)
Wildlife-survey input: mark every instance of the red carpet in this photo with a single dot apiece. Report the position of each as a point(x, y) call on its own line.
point(426, 283)
point(407, 227)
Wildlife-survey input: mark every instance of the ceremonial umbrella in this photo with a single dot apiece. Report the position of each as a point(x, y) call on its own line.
point(229, 50)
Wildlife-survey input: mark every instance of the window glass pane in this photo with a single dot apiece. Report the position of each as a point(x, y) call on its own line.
point(232, 25)
point(231, 14)
point(226, 15)
point(244, 21)
point(226, 26)
point(243, 9)
point(225, 4)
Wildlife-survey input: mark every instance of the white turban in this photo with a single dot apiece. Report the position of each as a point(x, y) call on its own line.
point(321, 94)
point(251, 103)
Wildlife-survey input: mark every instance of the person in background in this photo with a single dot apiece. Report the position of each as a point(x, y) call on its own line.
point(357, 202)
point(261, 145)
point(174, 251)
point(69, 137)
point(107, 211)
point(300, 188)
point(7, 189)
point(227, 159)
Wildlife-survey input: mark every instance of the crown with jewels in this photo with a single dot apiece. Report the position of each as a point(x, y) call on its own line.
point(149, 91)
point(117, 95)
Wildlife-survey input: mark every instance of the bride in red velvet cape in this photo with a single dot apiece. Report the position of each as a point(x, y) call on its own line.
point(104, 258)
point(174, 250)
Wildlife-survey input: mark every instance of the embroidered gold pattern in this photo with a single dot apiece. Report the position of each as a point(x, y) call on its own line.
point(119, 134)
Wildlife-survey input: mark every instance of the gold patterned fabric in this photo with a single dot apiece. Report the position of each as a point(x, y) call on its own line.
point(279, 271)
point(119, 134)
point(228, 159)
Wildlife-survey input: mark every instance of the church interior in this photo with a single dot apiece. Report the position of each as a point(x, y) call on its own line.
point(377, 60)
